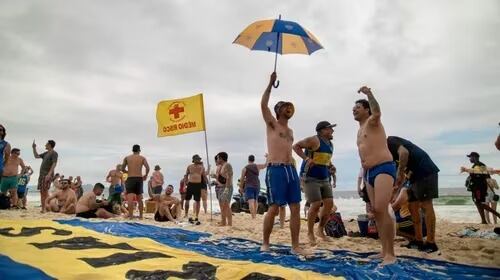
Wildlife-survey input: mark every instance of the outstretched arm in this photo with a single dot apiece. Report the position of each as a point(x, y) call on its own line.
point(374, 106)
point(264, 103)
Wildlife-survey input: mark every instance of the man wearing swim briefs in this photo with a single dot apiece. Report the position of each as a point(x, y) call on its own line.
point(317, 152)
point(49, 162)
point(114, 178)
point(135, 179)
point(282, 180)
point(194, 181)
point(380, 170)
point(87, 206)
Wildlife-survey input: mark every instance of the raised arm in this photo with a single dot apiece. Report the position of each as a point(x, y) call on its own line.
point(374, 106)
point(264, 103)
point(35, 153)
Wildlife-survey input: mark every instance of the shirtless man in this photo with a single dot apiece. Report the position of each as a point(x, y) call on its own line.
point(194, 181)
point(282, 180)
point(380, 170)
point(4, 149)
point(134, 185)
point(87, 206)
point(169, 207)
point(63, 200)
point(10, 174)
point(114, 178)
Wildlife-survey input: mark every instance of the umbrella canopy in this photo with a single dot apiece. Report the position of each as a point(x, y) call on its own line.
point(278, 36)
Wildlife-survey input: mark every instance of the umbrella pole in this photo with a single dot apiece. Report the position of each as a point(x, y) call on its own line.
point(277, 83)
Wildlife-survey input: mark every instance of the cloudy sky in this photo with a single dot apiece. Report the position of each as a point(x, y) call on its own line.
point(89, 75)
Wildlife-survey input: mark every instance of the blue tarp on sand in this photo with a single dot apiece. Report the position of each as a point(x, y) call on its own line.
point(336, 263)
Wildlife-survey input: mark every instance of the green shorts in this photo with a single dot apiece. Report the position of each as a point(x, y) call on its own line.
point(8, 183)
point(317, 190)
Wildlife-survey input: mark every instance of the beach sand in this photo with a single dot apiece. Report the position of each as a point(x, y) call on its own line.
point(472, 251)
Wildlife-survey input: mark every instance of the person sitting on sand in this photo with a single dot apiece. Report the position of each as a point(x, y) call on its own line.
point(168, 208)
point(10, 173)
point(88, 207)
point(62, 200)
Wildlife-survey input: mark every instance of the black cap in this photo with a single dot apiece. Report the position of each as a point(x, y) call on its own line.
point(473, 154)
point(280, 104)
point(324, 124)
point(196, 158)
point(157, 167)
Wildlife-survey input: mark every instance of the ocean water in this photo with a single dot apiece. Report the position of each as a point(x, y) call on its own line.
point(454, 204)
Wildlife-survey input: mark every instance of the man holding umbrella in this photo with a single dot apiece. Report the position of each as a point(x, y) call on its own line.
point(282, 180)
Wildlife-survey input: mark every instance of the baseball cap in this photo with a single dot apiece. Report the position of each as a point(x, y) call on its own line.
point(196, 158)
point(157, 167)
point(280, 104)
point(324, 124)
point(473, 154)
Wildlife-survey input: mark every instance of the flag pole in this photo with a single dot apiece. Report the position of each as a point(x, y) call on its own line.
point(208, 159)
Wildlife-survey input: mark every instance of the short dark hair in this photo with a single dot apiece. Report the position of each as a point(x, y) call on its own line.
point(52, 143)
point(98, 186)
point(222, 155)
point(4, 131)
point(136, 148)
point(365, 105)
point(15, 150)
point(251, 158)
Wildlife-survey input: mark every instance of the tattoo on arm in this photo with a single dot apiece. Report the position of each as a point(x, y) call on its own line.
point(374, 107)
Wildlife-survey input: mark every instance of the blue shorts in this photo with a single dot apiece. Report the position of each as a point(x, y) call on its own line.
point(283, 185)
point(251, 193)
point(388, 168)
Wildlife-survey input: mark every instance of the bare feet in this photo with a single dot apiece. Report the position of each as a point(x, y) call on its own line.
point(301, 252)
point(388, 260)
point(323, 237)
point(376, 256)
point(264, 248)
point(312, 239)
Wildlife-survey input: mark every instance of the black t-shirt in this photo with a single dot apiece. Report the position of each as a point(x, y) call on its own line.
point(479, 176)
point(419, 162)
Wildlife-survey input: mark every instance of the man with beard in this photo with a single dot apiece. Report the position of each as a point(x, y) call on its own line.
point(49, 162)
point(317, 152)
point(88, 207)
point(380, 169)
point(282, 180)
point(63, 200)
point(168, 207)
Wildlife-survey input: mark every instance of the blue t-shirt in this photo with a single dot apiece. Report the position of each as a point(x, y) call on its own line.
point(322, 159)
point(419, 162)
point(3, 144)
point(22, 181)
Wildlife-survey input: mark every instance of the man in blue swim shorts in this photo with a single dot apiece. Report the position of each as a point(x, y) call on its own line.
point(380, 170)
point(282, 180)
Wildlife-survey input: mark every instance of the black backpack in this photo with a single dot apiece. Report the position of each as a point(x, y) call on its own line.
point(4, 201)
point(335, 227)
point(468, 183)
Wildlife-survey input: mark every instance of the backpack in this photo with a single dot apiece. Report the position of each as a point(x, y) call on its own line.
point(335, 227)
point(468, 183)
point(4, 201)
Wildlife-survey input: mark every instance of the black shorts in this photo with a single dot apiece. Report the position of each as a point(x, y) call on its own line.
point(157, 189)
point(87, 214)
point(134, 185)
point(161, 218)
point(20, 195)
point(194, 190)
point(424, 189)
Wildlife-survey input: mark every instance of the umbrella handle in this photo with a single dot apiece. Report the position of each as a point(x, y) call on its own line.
point(276, 84)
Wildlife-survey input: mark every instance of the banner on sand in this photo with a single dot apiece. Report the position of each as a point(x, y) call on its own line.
point(180, 116)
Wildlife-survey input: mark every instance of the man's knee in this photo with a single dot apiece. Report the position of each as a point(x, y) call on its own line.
point(315, 206)
point(273, 210)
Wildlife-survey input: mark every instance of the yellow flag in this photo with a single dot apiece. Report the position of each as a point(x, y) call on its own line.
point(180, 116)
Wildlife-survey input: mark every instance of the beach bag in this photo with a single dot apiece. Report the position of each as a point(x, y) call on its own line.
point(4, 201)
point(335, 227)
point(492, 183)
point(468, 183)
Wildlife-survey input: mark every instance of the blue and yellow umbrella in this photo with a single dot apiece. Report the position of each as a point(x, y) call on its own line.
point(278, 36)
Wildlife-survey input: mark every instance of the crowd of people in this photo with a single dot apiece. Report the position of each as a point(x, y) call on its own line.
point(396, 176)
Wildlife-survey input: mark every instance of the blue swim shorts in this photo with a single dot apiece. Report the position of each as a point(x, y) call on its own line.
point(251, 192)
point(388, 167)
point(283, 185)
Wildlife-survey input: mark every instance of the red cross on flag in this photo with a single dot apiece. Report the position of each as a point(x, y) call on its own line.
point(180, 116)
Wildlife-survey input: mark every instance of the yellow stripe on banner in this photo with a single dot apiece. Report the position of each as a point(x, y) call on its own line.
point(39, 250)
point(249, 36)
point(293, 44)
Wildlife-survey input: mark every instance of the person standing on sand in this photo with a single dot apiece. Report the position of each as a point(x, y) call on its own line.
point(134, 183)
point(194, 181)
point(4, 149)
point(10, 175)
point(282, 180)
point(49, 162)
point(380, 169)
point(224, 183)
point(317, 152)
point(182, 192)
point(250, 183)
point(423, 188)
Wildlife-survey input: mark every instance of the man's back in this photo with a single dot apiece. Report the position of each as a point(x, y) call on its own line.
point(83, 203)
point(135, 163)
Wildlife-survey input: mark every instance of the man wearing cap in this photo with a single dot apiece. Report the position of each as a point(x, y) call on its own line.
point(132, 165)
point(479, 187)
point(194, 181)
point(157, 181)
point(415, 164)
point(380, 170)
point(317, 151)
point(282, 180)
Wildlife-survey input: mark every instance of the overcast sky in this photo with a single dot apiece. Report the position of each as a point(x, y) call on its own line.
point(89, 75)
